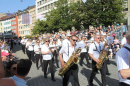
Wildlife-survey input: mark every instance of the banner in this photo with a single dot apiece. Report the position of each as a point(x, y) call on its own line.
point(26, 19)
point(40, 16)
point(84, 1)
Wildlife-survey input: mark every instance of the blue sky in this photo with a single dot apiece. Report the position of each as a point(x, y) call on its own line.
point(14, 5)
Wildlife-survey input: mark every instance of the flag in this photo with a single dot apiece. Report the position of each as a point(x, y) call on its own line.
point(40, 16)
point(84, 1)
point(26, 19)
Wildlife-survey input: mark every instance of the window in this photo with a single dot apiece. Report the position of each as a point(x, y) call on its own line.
point(37, 3)
point(19, 17)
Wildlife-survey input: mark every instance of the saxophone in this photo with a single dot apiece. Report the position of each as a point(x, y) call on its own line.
point(102, 57)
point(72, 60)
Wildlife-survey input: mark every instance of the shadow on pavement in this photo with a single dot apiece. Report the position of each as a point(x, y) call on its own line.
point(41, 81)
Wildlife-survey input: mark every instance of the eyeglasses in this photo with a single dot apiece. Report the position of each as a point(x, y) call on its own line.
point(47, 41)
point(98, 38)
point(14, 68)
point(74, 40)
point(38, 42)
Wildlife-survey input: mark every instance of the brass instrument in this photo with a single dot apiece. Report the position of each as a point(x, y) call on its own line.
point(72, 60)
point(102, 57)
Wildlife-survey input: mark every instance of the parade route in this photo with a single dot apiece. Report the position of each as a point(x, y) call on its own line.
point(36, 77)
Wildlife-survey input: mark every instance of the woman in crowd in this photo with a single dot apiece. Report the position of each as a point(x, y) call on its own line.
point(10, 69)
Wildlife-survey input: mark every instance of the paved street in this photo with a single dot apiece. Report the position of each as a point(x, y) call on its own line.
point(36, 77)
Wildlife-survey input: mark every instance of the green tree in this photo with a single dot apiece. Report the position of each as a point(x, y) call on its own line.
point(62, 17)
point(104, 12)
point(40, 27)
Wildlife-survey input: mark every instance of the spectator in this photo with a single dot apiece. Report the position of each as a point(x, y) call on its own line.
point(10, 69)
point(123, 41)
point(23, 68)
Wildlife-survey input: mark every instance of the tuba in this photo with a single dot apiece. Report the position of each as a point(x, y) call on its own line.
point(102, 57)
point(72, 60)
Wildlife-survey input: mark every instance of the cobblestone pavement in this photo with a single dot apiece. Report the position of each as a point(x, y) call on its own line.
point(36, 77)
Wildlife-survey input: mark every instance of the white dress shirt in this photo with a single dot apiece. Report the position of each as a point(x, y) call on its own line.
point(30, 47)
point(123, 62)
point(65, 42)
point(36, 48)
point(84, 49)
point(123, 41)
point(66, 54)
point(23, 41)
point(92, 49)
point(48, 56)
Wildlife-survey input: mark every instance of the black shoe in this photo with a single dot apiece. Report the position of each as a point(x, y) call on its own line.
point(88, 66)
point(90, 83)
point(45, 76)
point(53, 80)
point(57, 66)
point(108, 74)
point(81, 65)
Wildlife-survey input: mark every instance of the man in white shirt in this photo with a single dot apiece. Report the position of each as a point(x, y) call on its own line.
point(66, 41)
point(123, 62)
point(94, 52)
point(37, 50)
point(123, 41)
point(67, 51)
point(47, 58)
point(23, 42)
point(31, 51)
point(84, 52)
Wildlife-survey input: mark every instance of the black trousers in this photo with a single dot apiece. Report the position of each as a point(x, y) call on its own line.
point(38, 56)
point(31, 55)
point(82, 55)
point(27, 52)
point(55, 54)
point(46, 62)
point(74, 71)
point(123, 84)
point(23, 48)
point(102, 70)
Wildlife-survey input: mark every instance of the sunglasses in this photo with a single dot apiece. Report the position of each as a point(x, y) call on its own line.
point(47, 41)
point(98, 38)
point(14, 68)
point(74, 40)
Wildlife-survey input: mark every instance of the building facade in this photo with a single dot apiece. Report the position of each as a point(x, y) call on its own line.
point(127, 11)
point(7, 27)
point(24, 27)
point(1, 26)
point(43, 7)
point(32, 12)
point(14, 26)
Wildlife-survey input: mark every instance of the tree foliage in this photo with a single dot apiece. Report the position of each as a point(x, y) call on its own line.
point(93, 12)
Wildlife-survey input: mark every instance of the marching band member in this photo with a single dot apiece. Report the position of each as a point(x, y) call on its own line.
point(94, 52)
point(123, 62)
point(66, 41)
point(23, 41)
point(31, 51)
point(84, 53)
point(37, 50)
point(47, 58)
point(55, 53)
point(67, 51)
point(26, 46)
